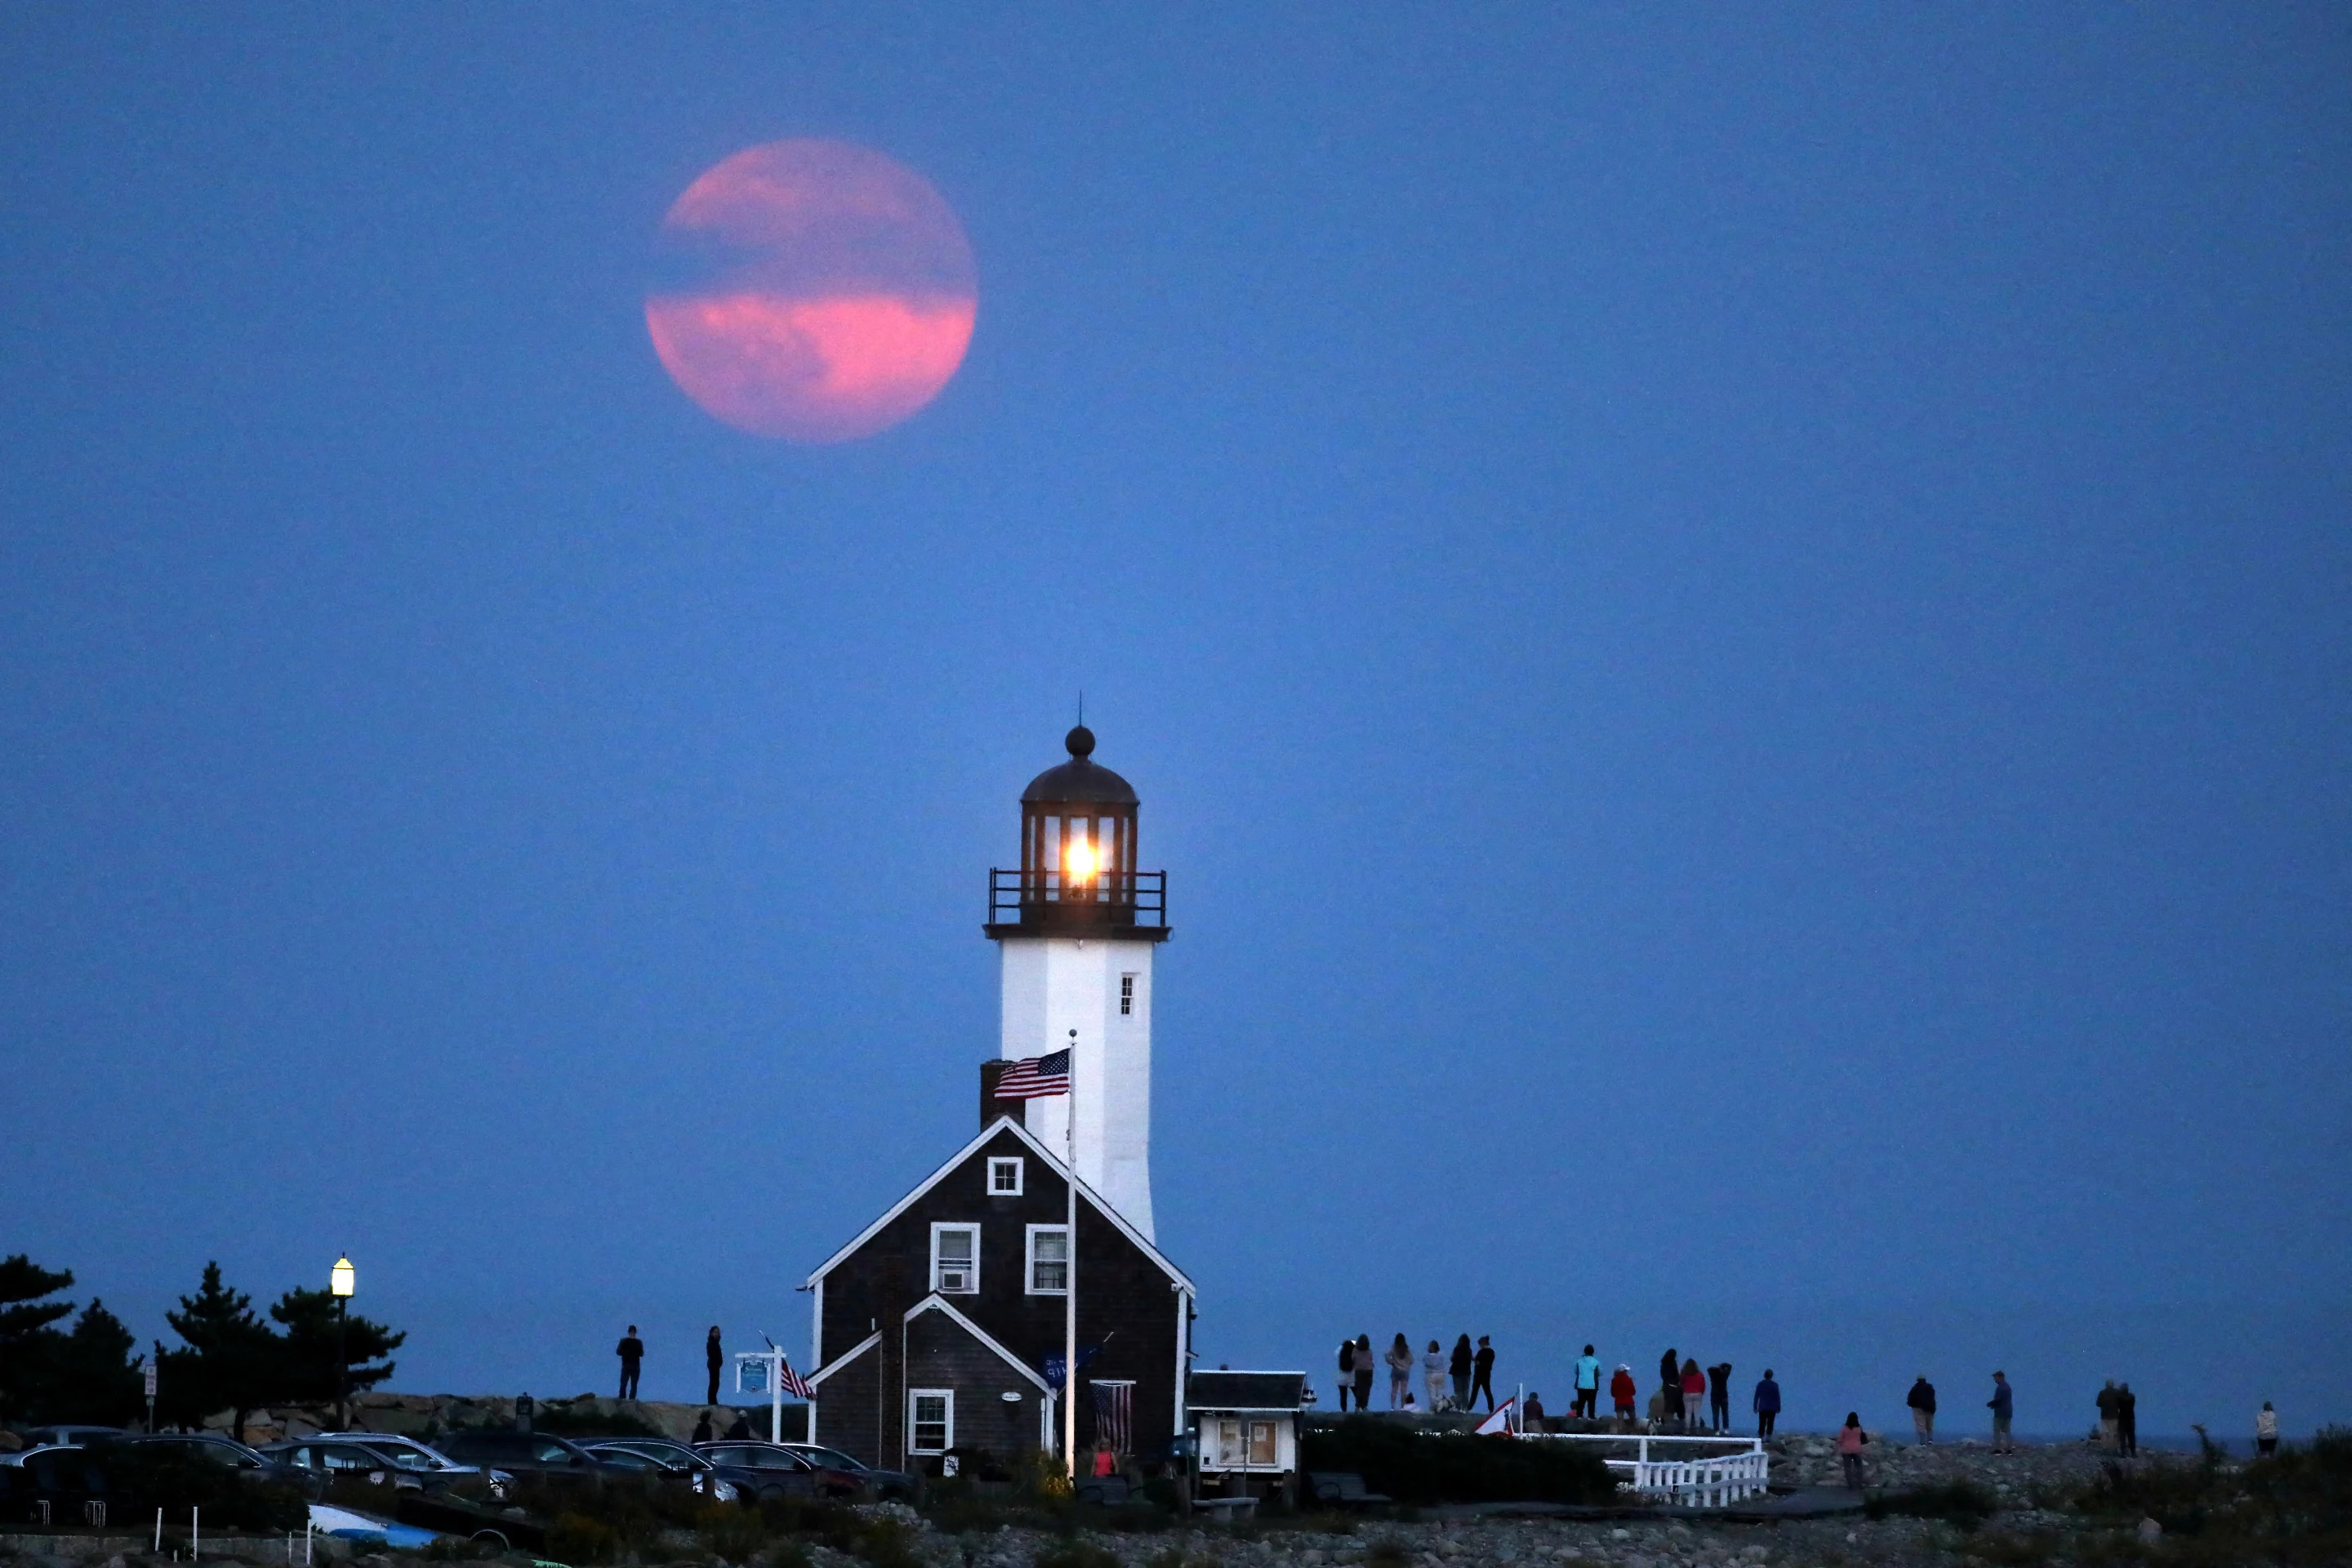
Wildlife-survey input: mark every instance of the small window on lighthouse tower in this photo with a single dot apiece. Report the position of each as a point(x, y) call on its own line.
point(1127, 994)
point(1004, 1177)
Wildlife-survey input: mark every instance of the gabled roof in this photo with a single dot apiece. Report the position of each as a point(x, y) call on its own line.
point(935, 1302)
point(1006, 1124)
point(1245, 1390)
point(845, 1358)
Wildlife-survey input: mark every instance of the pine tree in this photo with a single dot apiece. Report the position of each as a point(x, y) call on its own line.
point(230, 1359)
point(28, 1341)
point(307, 1372)
point(94, 1377)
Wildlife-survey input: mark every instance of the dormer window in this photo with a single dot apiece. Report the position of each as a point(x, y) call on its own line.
point(1004, 1177)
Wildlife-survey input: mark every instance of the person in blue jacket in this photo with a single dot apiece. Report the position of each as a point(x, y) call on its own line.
point(1766, 1404)
point(2003, 1405)
point(1588, 1385)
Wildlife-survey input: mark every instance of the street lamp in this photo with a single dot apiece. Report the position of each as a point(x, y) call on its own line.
point(342, 1280)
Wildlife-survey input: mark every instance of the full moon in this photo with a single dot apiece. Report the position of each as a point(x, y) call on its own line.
point(812, 291)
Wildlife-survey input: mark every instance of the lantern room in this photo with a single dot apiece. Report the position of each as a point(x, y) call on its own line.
point(1078, 873)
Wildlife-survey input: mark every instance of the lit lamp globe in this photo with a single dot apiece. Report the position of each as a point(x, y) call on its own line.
point(1080, 861)
point(343, 1279)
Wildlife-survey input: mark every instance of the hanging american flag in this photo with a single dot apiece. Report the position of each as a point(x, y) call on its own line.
point(1036, 1077)
point(791, 1382)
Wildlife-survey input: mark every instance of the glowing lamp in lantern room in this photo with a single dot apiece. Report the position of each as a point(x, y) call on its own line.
point(342, 1279)
point(1080, 861)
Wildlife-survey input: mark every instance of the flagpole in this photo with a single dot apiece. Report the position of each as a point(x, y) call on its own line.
point(1070, 1282)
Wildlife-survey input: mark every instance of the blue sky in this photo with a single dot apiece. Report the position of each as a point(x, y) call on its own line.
point(1732, 624)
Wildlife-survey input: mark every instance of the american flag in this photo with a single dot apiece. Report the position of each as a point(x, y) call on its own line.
point(791, 1382)
point(1036, 1077)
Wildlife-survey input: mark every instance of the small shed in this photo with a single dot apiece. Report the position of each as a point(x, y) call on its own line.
point(1245, 1432)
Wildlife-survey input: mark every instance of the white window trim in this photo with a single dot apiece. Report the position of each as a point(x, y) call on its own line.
point(972, 1288)
point(1020, 1175)
point(914, 1395)
point(1029, 1261)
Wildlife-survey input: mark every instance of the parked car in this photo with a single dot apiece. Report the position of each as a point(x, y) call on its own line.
point(526, 1454)
point(66, 1478)
point(419, 1459)
point(68, 1436)
point(773, 1459)
point(880, 1482)
point(326, 1460)
point(226, 1451)
point(658, 1454)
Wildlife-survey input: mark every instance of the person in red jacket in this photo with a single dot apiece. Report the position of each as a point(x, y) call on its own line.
point(1621, 1389)
point(1694, 1395)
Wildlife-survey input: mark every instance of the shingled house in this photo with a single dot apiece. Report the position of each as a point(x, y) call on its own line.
point(934, 1326)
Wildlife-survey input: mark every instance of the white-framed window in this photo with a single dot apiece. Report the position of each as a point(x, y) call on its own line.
point(1005, 1176)
point(930, 1420)
point(1127, 994)
point(955, 1258)
point(1049, 1260)
point(1243, 1444)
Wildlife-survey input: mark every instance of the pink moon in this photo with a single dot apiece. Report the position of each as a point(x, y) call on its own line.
point(817, 291)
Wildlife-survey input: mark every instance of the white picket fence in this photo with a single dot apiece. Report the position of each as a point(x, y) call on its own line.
point(1685, 1472)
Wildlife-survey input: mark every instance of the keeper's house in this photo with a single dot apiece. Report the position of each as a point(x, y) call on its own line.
point(934, 1326)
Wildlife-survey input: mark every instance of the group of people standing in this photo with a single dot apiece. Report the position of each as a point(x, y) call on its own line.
point(1688, 1398)
point(1449, 1382)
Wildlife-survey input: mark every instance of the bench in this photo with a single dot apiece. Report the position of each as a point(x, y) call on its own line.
point(1342, 1489)
point(1227, 1509)
point(1105, 1491)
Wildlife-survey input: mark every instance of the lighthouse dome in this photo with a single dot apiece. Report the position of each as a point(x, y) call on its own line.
point(1081, 779)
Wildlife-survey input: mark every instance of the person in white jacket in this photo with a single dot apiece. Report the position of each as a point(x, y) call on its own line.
point(1433, 1377)
point(2266, 1430)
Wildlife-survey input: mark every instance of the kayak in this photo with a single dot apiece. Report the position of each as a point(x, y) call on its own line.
point(348, 1524)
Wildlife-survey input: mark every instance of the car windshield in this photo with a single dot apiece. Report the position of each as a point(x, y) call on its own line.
point(763, 1458)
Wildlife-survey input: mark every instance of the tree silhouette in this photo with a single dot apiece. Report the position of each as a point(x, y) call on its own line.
point(28, 1339)
point(305, 1367)
point(229, 1362)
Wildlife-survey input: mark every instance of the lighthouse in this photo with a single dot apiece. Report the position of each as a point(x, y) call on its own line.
point(1075, 928)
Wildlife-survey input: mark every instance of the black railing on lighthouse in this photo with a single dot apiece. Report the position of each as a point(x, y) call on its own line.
point(1052, 897)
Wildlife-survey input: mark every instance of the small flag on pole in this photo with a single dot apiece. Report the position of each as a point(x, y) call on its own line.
point(1036, 1077)
point(1499, 1423)
point(791, 1382)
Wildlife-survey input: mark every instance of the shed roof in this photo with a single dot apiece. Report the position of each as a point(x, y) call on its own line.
point(1246, 1390)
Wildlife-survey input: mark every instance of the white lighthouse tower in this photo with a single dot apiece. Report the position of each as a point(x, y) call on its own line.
point(1075, 928)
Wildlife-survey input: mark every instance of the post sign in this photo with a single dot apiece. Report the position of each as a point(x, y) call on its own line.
point(752, 1374)
point(150, 1379)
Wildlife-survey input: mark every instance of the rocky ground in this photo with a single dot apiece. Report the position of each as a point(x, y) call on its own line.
point(2024, 1531)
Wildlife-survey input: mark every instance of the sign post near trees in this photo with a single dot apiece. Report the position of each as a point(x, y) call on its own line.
point(150, 1380)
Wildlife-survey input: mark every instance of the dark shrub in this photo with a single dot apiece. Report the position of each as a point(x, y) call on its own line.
point(1964, 1503)
point(1422, 1468)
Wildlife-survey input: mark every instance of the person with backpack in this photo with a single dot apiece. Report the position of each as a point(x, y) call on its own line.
point(1766, 1404)
point(1922, 1401)
point(1850, 1440)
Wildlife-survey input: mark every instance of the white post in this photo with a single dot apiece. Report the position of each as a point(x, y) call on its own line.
point(1070, 1283)
point(196, 1547)
point(159, 1533)
point(775, 1396)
